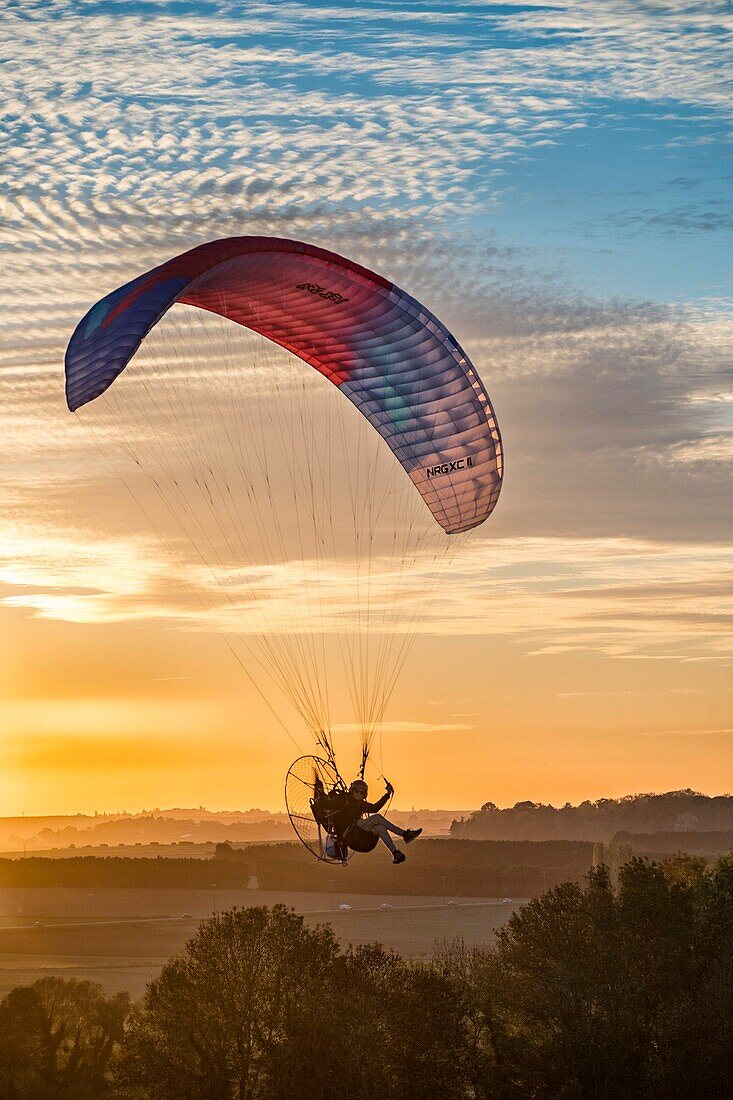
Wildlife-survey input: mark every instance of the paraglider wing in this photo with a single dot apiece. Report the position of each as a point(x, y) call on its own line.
point(387, 353)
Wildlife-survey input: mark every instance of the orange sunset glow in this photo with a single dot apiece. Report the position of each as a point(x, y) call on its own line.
point(219, 555)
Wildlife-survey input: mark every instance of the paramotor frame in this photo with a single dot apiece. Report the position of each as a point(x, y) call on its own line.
point(308, 813)
point(300, 792)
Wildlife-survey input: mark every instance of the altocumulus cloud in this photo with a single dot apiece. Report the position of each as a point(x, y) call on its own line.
point(133, 131)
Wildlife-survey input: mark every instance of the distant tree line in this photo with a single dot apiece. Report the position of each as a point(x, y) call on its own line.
point(591, 992)
point(164, 827)
point(675, 811)
point(713, 843)
point(164, 830)
point(459, 868)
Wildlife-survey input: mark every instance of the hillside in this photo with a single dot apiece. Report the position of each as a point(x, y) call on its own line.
point(675, 811)
point(175, 826)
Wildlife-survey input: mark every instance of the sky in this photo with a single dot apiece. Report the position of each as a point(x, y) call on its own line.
point(554, 182)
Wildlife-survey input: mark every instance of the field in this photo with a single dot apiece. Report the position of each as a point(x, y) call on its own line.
point(121, 937)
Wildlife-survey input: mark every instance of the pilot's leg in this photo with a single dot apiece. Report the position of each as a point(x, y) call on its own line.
point(378, 824)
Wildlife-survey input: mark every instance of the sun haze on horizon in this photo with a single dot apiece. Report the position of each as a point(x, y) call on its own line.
point(547, 182)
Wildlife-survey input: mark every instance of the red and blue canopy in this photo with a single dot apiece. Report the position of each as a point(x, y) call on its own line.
point(386, 352)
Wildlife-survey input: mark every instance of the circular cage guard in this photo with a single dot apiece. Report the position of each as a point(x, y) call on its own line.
point(299, 791)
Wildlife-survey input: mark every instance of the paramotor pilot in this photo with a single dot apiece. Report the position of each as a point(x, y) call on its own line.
point(347, 817)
